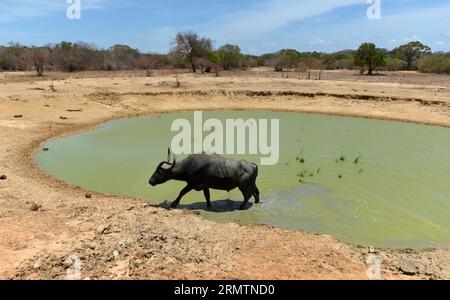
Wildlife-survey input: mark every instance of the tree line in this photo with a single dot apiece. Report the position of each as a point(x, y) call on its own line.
point(189, 50)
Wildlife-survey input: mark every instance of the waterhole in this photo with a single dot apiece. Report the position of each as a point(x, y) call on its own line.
point(367, 182)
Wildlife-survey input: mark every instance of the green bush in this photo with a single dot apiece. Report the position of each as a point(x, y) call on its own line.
point(393, 64)
point(437, 63)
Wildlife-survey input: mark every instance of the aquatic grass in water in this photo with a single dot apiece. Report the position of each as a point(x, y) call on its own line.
point(398, 197)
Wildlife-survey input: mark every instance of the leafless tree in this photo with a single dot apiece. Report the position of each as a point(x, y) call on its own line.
point(38, 58)
point(311, 64)
point(150, 62)
point(192, 47)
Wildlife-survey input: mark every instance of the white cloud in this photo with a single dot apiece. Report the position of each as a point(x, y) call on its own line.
point(266, 16)
point(12, 10)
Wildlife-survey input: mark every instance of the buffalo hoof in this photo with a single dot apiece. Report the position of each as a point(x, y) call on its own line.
point(243, 207)
point(174, 205)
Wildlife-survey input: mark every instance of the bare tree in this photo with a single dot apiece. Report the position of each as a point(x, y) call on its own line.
point(311, 64)
point(14, 57)
point(38, 57)
point(150, 62)
point(192, 47)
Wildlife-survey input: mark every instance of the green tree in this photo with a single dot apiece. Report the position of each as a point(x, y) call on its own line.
point(214, 57)
point(411, 52)
point(265, 60)
point(368, 55)
point(287, 58)
point(230, 56)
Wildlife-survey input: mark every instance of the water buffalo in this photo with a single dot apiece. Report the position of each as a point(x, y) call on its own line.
point(202, 172)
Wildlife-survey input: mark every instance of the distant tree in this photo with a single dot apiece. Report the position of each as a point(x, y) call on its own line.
point(214, 57)
point(339, 60)
point(14, 57)
point(411, 52)
point(38, 57)
point(63, 56)
point(286, 58)
point(368, 55)
point(192, 47)
point(249, 61)
point(150, 62)
point(436, 63)
point(309, 64)
point(123, 57)
point(266, 60)
point(230, 56)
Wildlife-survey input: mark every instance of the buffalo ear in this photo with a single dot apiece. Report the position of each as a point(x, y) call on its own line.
point(166, 166)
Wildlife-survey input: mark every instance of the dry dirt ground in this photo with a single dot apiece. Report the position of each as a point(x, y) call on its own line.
point(44, 221)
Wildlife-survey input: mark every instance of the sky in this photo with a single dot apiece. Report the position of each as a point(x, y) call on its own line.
point(257, 26)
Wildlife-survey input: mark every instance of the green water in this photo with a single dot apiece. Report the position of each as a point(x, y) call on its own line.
point(397, 195)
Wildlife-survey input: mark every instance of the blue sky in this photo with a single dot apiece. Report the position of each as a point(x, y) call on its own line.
point(257, 26)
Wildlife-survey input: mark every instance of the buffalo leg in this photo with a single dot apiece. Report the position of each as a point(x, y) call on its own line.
point(183, 192)
point(207, 197)
point(255, 193)
point(247, 195)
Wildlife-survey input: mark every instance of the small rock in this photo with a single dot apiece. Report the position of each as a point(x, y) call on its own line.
point(116, 253)
point(88, 195)
point(45, 149)
point(18, 116)
point(63, 118)
point(408, 267)
point(34, 207)
point(103, 228)
point(3, 177)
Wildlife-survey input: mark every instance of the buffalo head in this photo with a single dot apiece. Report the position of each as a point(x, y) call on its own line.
point(163, 172)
